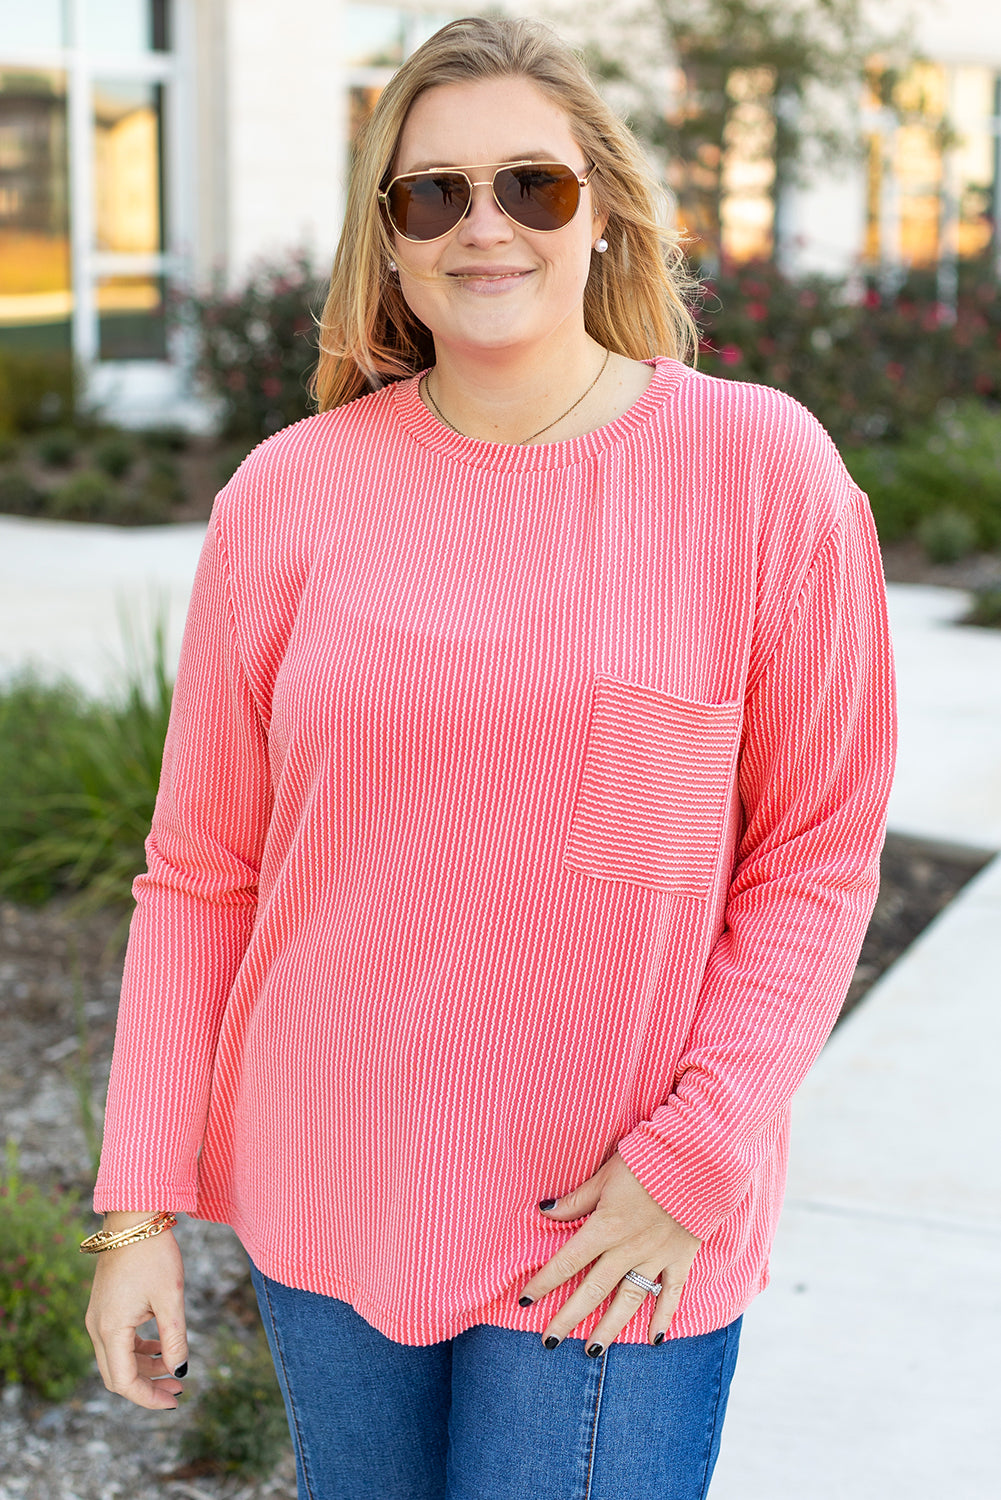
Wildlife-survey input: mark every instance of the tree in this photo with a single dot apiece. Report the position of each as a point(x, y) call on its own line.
point(704, 79)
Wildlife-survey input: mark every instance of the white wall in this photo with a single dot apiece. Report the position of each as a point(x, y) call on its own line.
point(952, 31)
point(285, 128)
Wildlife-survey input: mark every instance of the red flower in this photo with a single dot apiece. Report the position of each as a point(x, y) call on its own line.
point(757, 311)
point(872, 298)
point(894, 371)
point(730, 354)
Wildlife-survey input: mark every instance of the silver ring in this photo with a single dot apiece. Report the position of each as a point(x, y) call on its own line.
point(650, 1286)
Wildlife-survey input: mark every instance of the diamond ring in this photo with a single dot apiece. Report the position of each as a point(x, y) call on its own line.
point(650, 1286)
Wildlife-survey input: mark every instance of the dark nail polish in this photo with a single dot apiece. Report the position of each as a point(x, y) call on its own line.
point(594, 1350)
point(548, 1203)
point(659, 1339)
point(551, 1341)
point(525, 1301)
point(181, 1371)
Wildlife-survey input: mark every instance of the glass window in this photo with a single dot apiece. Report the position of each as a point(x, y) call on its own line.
point(424, 24)
point(127, 176)
point(375, 36)
point(32, 24)
point(906, 169)
point(35, 296)
point(125, 27)
point(361, 102)
point(131, 324)
point(377, 39)
point(932, 170)
point(970, 110)
point(748, 167)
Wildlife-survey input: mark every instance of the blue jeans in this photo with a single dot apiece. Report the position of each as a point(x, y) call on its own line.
point(491, 1414)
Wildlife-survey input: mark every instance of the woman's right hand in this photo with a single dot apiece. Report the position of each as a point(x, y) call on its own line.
point(131, 1285)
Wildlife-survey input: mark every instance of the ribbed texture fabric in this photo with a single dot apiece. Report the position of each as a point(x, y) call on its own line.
point(518, 803)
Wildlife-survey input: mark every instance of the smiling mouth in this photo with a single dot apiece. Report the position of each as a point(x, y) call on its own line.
point(486, 275)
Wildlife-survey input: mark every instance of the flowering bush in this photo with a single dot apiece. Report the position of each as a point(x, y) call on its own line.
point(257, 345)
point(44, 1282)
point(870, 366)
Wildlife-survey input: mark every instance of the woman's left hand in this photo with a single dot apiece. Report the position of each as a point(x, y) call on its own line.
point(627, 1231)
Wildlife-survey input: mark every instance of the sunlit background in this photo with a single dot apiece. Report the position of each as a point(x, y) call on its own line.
point(147, 143)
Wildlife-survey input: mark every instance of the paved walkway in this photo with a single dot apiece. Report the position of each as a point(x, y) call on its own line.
point(65, 591)
point(869, 1369)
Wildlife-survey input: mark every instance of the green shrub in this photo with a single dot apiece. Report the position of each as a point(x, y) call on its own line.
point(59, 447)
point(78, 782)
point(947, 535)
point(87, 496)
point(115, 455)
point(35, 390)
point(952, 464)
point(165, 439)
point(142, 507)
point(985, 609)
point(238, 1423)
point(19, 496)
point(44, 1285)
point(229, 460)
point(164, 480)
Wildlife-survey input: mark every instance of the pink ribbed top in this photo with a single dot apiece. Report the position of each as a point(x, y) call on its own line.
point(518, 803)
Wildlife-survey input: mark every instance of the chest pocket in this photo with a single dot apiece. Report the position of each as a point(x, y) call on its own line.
point(654, 789)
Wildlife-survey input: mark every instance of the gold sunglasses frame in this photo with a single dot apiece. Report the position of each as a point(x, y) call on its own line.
point(504, 166)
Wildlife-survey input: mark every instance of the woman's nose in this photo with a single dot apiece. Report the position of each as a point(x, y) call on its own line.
point(485, 223)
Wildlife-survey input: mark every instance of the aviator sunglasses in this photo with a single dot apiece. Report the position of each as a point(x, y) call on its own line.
point(540, 195)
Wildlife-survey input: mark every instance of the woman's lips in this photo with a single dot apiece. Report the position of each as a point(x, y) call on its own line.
point(477, 280)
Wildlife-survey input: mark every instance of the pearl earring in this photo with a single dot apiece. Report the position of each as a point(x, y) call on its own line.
point(601, 246)
point(392, 265)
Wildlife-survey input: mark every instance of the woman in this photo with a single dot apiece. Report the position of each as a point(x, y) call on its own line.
point(518, 829)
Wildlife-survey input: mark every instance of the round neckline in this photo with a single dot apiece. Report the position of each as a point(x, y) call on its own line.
point(481, 453)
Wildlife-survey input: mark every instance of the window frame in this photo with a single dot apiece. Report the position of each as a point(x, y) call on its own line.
point(82, 68)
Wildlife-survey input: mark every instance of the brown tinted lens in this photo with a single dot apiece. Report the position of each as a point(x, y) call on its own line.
point(540, 196)
point(422, 208)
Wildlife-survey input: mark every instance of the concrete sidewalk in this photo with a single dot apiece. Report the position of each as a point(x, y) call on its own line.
point(66, 589)
point(868, 1369)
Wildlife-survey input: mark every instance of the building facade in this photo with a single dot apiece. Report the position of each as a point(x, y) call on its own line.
point(146, 145)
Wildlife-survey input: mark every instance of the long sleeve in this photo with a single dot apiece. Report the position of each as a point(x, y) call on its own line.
point(814, 777)
point(195, 910)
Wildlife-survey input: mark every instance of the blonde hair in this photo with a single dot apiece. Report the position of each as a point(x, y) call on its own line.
point(635, 297)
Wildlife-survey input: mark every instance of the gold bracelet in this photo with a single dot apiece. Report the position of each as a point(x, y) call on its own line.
point(104, 1239)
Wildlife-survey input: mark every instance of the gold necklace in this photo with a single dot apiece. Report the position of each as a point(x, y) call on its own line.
point(442, 417)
